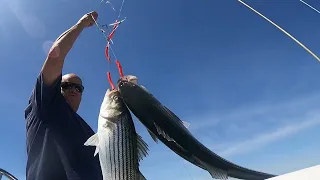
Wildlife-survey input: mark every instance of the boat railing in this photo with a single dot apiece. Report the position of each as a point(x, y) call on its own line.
point(4, 173)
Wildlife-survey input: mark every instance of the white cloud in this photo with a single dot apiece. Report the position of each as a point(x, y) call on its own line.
point(261, 111)
point(264, 139)
point(30, 22)
point(250, 127)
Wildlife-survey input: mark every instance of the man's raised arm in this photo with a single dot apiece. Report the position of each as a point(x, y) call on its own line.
point(52, 67)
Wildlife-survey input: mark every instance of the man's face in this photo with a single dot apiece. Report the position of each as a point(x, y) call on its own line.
point(71, 89)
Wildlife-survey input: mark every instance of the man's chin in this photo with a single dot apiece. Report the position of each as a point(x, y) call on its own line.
point(73, 103)
point(71, 99)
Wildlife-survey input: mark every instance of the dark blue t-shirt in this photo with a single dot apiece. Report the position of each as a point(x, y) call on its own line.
point(55, 138)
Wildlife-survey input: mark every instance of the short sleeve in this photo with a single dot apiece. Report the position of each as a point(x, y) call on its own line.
point(42, 94)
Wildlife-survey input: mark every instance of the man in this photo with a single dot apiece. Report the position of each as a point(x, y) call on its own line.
point(55, 132)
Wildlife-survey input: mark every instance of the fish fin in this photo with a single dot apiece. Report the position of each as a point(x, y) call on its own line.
point(186, 124)
point(216, 173)
point(92, 141)
point(154, 137)
point(96, 151)
point(142, 148)
point(164, 134)
point(174, 116)
point(140, 175)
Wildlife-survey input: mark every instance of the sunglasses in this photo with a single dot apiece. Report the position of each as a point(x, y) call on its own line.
point(68, 85)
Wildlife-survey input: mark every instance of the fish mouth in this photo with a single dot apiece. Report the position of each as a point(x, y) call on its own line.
point(124, 83)
point(112, 91)
point(127, 80)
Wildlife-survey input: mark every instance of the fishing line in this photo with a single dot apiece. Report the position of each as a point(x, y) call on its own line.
point(104, 34)
point(310, 6)
point(117, 27)
point(303, 46)
point(185, 167)
point(108, 38)
point(108, 2)
point(121, 9)
point(110, 44)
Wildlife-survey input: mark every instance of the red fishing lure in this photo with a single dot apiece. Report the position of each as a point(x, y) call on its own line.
point(119, 68)
point(113, 30)
point(107, 52)
point(110, 81)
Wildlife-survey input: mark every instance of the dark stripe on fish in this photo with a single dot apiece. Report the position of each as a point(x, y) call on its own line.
point(110, 152)
point(122, 153)
point(118, 150)
point(126, 170)
point(114, 154)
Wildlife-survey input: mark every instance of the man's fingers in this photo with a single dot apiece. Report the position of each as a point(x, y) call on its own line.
point(94, 15)
point(89, 19)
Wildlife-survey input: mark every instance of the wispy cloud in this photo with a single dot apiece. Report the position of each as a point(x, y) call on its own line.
point(262, 110)
point(30, 22)
point(264, 139)
point(251, 127)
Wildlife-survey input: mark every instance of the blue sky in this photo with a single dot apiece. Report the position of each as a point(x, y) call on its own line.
point(250, 93)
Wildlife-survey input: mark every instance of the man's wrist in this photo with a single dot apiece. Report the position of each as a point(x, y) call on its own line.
point(79, 26)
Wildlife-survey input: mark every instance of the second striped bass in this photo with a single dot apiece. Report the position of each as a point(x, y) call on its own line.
point(120, 148)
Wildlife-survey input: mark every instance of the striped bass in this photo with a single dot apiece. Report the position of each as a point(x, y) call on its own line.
point(163, 124)
point(120, 148)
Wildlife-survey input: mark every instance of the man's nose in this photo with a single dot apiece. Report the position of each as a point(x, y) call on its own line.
point(72, 90)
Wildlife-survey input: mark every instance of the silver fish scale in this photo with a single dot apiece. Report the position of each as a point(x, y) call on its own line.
point(121, 151)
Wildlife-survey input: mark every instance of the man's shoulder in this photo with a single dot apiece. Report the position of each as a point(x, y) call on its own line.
point(33, 107)
point(43, 95)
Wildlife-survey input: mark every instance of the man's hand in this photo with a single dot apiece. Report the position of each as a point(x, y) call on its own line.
point(87, 20)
